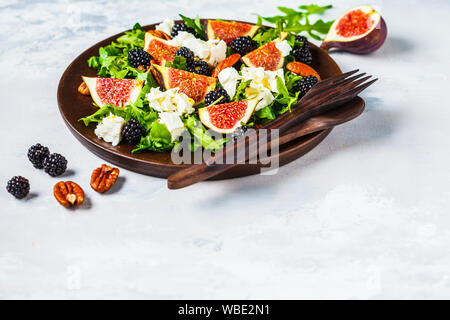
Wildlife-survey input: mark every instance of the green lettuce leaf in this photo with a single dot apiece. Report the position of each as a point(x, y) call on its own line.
point(159, 139)
point(195, 24)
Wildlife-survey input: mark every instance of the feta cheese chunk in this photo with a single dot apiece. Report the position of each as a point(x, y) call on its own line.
point(170, 101)
point(262, 84)
point(110, 129)
point(166, 26)
point(173, 123)
point(262, 94)
point(217, 51)
point(261, 78)
point(212, 51)
point(229, 77)
point(284, 47)
point(185, 39)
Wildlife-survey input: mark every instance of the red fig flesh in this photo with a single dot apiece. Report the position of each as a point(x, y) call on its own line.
point(359, 30)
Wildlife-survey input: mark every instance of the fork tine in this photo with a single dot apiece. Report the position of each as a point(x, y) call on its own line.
point(331, 88)
point(348, 95)
point(355, 91)
point(339, 77)
point(350, 85)
point(348, 80)
point(336, 78)
point(321, 86)
point(348, 88)
point(338, 95)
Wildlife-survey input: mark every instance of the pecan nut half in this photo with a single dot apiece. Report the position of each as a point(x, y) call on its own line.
point(68, 193)
point(302, 69)
point(83, 89)
point(103, 178)
point(159, 34)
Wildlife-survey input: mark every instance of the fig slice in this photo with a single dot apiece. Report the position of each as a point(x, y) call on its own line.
point(267, 56)
point(118, 92)
point(158, 48)
point(229, 30)
point(194, 85)
point(225, 118)
point(359, 30)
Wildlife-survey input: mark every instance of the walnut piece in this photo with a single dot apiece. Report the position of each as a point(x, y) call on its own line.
point(83, 89)
point(103, 178)
point(68, 193)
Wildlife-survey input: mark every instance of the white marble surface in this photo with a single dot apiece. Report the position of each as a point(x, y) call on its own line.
point(365, 215)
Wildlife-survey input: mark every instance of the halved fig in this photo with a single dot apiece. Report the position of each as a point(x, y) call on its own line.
point(225, 118)
point(359, 30)
point(118, 92)
point(159, 49)
point(194, 85)
point(229, 30)
point(267, 56)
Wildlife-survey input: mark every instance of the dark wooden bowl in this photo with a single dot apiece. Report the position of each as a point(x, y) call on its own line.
point(74, 106)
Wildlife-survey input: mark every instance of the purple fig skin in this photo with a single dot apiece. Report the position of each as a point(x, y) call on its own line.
point(368, 44)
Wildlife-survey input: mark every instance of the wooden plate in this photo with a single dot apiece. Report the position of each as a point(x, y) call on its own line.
point(74, 106)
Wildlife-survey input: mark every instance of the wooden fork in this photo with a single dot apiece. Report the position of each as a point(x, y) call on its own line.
point(323, 97)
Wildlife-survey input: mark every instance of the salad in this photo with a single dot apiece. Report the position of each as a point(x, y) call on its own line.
point(219, 77)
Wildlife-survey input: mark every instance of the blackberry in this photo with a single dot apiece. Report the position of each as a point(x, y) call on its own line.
point(302, 54)
point(302, 39)
point(181, 27)
point(138, 57)
point(200, 67)
point(305, 84)
point(239, 132)
point(187, 54)
point(37, 154)
point(133, 131)
point(212, 96)
point(55, 164)
point(243, 45)
point(18, 186)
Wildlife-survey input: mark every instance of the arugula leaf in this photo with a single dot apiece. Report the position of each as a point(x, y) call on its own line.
point(112, 60)
point(266, 113)
point(295, 21)
point(195, 24)
point(240, 90)
point(103, 112)
point(159, 139)
point(291, 80)
point(315, 9)
point(201, 135)
point(284, 100)
point(264, 35)
point(178, 62)
point(319, 27)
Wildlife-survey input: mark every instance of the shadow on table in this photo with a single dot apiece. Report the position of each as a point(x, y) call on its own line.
point(374, 124)
point(395, 47)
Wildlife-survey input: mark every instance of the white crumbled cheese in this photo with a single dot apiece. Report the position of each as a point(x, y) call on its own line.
point(261, 78)
point(212, 51)
point(284, 47)
point(170, 101)
point(166, 26)
point(173, 123)
point(262, 84)
point(263, 95)
point(110, 129)
point(185, 39)
point(217, 51)
point(229, 77)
